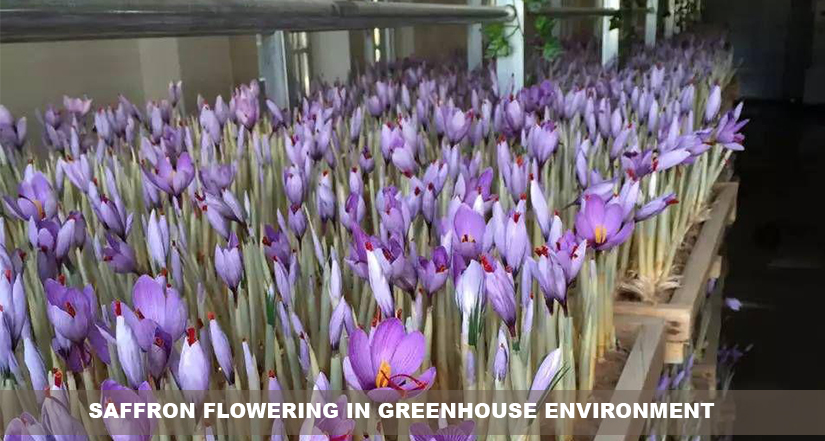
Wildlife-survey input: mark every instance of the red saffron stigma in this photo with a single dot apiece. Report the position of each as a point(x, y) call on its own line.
point(190, 336)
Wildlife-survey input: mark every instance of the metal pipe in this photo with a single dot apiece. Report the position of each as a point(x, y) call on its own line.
point(572, 11)
point(55, 20)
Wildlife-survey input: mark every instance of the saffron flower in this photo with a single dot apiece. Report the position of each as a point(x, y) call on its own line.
point(602, 224)
point(137, 428)
point(464, 431)
point(35, 197)
point(384, 365)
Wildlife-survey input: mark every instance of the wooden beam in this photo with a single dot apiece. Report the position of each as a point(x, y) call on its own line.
point(640, 375)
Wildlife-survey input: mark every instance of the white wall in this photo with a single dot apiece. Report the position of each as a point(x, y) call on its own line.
point(330, 55)
point(32, 75)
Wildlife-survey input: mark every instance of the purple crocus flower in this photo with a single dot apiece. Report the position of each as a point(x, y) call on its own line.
point(25, 428)
point(733, 304)
point(341, 319)
point(139, 428)
point(384, 364)
point(356, 122)
point(714, 103)
point(193, 369)
point(297, 220)
point(339, 428)
point(542, 142)
point(378, 280)
point(246, 106)
point(14, 306)
point(78, 106)
point(172, 178)
point(456, 124)
point(727, 132)
point(111, 212)
point(78, 171)
point(59, 422)
point(325, 197)
point(394, 211)
point(655, 206)
point(158, 354)
point(433, 272)
point(374, 106)
point(464, 431)
point(545, 375)
point(469, 287)
point(70, 310)
point(157, 238)
point(276, 245)
point(229, 262)
point(12, 133)
point(500, 290)
point(399, 268)
point(35, 197)
point(517, 243)
point(501, 362)
point(119, 255)
point(161, 304)
point(294, 184)
point(221, 348)
point(517, 175)
point(129, 353)
point(602, 224)
point(468, 232)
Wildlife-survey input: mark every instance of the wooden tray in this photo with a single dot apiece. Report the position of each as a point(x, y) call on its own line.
point(640, 375)
point(703, 263)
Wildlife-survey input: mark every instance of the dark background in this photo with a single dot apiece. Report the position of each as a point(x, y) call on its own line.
point(776, 248)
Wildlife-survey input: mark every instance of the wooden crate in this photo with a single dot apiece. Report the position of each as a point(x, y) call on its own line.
point(703, 263)
point(640, 375)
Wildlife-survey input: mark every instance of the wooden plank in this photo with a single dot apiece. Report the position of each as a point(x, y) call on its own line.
point(639, 377)
point(694, 277)
point(680, 313)
point(704, 371)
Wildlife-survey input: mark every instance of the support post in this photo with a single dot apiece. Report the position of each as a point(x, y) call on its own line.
point(557, 30)
point(272, 65)
point(651, 21)
point(610, 38)
point(369, 47)
point(475, 49)
point(510, 69)
point(670, 20)
point(388, 47)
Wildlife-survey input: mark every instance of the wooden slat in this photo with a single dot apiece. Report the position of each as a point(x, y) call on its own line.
point(639, 377)
point(680, 312)
point(704, 371)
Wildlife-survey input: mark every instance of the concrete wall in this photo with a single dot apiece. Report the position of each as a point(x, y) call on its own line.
point(330, 55)
point(32, 75)
point(772, 39)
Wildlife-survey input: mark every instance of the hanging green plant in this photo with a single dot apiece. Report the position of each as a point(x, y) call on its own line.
point(496, 36)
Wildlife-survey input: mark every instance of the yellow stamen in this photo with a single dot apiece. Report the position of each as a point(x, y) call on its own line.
point(383, 377)
point(40, 212)
point(601, 234)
